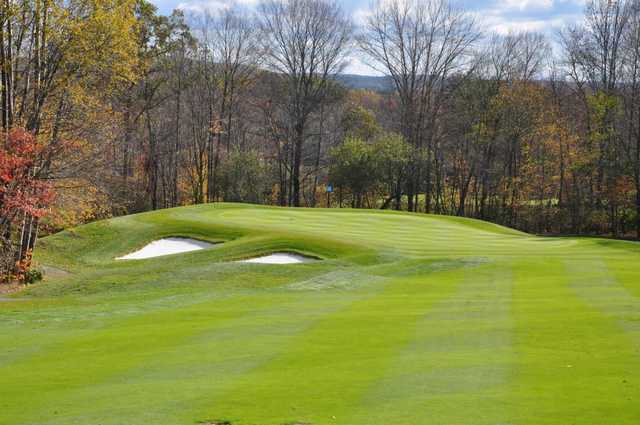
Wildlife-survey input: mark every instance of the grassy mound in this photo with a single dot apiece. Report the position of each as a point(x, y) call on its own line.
point(408, 319)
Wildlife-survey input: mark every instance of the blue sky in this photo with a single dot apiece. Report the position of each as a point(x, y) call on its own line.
point(500, 16)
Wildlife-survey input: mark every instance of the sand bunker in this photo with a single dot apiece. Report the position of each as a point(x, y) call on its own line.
point(279, 258)
point(166, 246)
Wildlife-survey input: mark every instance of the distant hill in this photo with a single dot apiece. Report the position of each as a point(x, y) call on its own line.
point(368, 82)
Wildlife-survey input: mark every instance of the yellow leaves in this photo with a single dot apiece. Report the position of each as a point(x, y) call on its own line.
point(480, 132)
point(546, 142)
point(603, 108)
point(96, 38)
point(77, 202)
point(518, 95)
point(91, 45)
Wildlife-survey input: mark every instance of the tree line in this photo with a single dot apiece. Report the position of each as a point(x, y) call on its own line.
point(123, 110)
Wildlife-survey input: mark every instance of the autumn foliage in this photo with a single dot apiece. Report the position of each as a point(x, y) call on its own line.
point(24, 192)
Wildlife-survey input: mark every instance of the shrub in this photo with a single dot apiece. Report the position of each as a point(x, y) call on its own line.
point(32, 276)
point(244, 177)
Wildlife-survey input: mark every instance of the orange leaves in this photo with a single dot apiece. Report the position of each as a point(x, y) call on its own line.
point(22, 189)
point(23, 266)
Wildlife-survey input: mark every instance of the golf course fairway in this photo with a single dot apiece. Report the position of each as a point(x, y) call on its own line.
point(406, 319)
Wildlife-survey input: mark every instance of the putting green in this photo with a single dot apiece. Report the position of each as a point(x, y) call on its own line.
point(408, 320)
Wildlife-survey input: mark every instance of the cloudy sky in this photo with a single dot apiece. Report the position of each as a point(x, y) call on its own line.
point(493, 15)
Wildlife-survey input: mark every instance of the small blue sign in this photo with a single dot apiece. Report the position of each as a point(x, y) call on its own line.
point(329, 188)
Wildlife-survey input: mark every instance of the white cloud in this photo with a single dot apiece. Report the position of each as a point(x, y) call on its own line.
point(544, 16)
point(358, 66)
point(360, 16)
point(535, 5)
point(214, 5)
point(526, 4)
point(502, 25)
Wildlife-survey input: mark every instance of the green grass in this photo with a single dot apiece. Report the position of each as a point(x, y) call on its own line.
point(408, 320)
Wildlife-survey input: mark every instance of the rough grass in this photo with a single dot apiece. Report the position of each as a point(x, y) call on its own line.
point(409, 319)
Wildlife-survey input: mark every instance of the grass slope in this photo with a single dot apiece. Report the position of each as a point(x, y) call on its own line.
point(410, 319)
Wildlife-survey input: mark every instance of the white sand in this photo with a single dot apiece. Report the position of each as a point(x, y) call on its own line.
point(279, 258)
point(166, 246)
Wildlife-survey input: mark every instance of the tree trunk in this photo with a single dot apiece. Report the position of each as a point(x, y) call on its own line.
point(176, 147)
point(152, 167)
point(211, 153)
point(297, 162)
point(637, 206)
point(317, 162)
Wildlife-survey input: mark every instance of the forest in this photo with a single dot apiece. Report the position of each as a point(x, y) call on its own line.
point(111, 108)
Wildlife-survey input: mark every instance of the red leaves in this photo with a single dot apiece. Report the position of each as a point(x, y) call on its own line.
point(22, 187)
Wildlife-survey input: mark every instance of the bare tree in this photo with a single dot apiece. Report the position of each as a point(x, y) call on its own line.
point(593, 53)
point(631, 96)
point(229, 53)
point(595, 48)
point(419, 45)
point(306, 41)
point(518, 56)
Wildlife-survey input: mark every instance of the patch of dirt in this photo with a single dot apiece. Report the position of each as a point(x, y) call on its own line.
point(10, 288)
point(50, 271)
point(13, 287)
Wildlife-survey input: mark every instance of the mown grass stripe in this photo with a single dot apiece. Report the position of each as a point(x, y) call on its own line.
point(458, 361)
point(572, 361)
point(75, 363)
point(598, 286)
point(202, 364)
point(325, 371)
